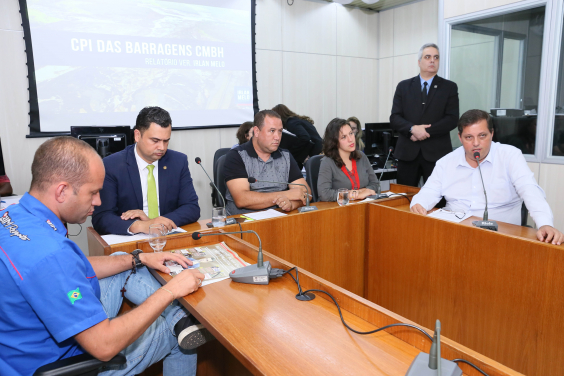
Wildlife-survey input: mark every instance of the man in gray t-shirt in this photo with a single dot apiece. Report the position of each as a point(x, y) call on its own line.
point(261, 159)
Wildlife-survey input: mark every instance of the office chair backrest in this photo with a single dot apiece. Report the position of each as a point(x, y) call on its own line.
point(221, 177)
point(312, 173)
point(216, 200)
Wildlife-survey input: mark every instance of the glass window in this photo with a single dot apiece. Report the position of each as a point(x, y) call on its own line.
point(496, 64)
point(558, 135)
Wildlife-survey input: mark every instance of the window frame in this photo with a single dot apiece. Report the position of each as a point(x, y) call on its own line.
point(550, 58)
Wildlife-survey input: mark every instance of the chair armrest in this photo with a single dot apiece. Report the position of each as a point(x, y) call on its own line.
point(76, 365)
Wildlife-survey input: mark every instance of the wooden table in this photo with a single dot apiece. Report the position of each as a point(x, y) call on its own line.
point(269, 332)
point(499, 293)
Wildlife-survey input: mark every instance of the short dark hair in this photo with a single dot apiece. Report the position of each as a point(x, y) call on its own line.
point(243, 130)
point(150, 115)
point(471, 117)
point(61, 159)
point(331, 142)
point(261, 115)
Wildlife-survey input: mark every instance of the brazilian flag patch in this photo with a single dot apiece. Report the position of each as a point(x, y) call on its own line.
point(74, 295)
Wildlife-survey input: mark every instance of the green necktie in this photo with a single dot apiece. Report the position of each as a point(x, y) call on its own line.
point(152, 200)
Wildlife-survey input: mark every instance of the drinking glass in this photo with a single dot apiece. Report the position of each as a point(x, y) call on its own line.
point(218, 217)
point(343, 196)
point(157, 237)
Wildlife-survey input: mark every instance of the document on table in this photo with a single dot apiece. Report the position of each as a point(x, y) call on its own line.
point(10, 200)
point(117, 239)
point(214, 261)
point(450, 216)
point(270, 213)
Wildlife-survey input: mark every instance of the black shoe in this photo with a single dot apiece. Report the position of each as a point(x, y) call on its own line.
point(191, 334)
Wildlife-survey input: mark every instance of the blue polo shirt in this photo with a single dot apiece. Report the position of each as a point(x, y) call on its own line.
point(49, 290)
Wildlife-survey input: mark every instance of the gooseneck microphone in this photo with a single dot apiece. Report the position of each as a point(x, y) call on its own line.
point(230, 221)
point(258, 274)
point(379, 188)
point(300, 209)
point(432, 364)
point(484, 223)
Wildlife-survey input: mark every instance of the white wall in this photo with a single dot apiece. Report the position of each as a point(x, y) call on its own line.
point(320, 59)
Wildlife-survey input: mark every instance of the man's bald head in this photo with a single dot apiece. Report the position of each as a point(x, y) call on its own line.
point(61, 159)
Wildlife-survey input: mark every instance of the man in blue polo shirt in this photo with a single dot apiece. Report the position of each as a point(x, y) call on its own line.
point(56, 303)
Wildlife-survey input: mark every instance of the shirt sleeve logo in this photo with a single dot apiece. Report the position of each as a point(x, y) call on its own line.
point(51, 225)
point(7, 222)
point(74, 295)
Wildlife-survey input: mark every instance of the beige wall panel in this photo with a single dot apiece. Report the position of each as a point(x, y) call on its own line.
point(310, 86)
point(309, 27)
point(415, 25)
point(404, 67)
point(552, 181)
point(10, 18)
point(357, 88)
point(386, 88)
point(386, 34)
point(535, 167)
point(18, 151)
point(453, 8)
point(227, 138)
point(269, 78)
point(357, 32)
point(269, 24)
point(198, 143)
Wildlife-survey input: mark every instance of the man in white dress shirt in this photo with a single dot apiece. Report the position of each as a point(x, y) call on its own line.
point(507, 178)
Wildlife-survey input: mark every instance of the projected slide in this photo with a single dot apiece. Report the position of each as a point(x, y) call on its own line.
point(99, 62)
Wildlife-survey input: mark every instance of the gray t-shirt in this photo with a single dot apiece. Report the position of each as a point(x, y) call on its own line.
point(243, 162)
point(331, 178)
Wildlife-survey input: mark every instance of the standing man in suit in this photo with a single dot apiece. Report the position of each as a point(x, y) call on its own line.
point(424, 111)
point(146, 183)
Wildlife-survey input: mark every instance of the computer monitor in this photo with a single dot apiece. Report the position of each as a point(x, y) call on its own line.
point(2, 169)
point(105, 140)
point(379, 137)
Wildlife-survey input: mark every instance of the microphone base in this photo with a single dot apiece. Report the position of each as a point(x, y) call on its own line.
point(305, 209)
point(305, 297)
point(378, 196)
point(486, 225)
point(252, 274)
point(420, 367)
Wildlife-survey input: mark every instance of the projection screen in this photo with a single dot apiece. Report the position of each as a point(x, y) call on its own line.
point(98, 63)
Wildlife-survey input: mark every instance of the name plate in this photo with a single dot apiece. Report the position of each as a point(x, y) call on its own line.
point(304, 209)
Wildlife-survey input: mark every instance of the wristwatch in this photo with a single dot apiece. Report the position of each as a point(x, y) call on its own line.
point(411, 130)
point(135, 255)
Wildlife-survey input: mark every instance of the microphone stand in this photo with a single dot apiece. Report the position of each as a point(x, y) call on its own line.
point(484, 223)
point(379, 194)
point(228, 221)
point(257, 274)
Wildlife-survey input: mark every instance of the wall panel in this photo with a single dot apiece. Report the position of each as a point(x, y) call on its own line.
point(357, 32)
point(357, 83)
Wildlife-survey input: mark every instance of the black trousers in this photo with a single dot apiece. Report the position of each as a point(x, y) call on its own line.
point(410, 172)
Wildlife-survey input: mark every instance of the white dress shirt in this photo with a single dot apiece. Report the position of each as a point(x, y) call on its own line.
point(143, 174)
point(507, 178)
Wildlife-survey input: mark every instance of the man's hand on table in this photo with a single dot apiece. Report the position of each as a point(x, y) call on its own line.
point(143, 225)
point(549, 234)
point(135, 213)
point(418, 209)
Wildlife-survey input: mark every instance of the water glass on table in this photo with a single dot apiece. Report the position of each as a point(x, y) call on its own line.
point(343, 196)
point(157, 237)
point(218, 217)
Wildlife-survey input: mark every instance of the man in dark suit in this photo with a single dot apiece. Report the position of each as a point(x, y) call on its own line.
point(424, 111)
point(146, 184)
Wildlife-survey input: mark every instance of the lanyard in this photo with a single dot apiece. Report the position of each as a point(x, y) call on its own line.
point(352, 174)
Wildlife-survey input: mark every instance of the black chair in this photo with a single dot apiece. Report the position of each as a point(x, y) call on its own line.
point(312, 173)
point(216, 200)
point(221, 175)
point(79, 365)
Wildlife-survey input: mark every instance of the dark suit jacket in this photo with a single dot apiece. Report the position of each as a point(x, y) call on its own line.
point(441, 111)
point(122, 191)
point(307, 142)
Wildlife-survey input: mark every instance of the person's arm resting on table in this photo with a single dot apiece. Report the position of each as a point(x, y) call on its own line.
point(527, 188)
point(430, 194)
point(287, 200)
point(107, 338)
